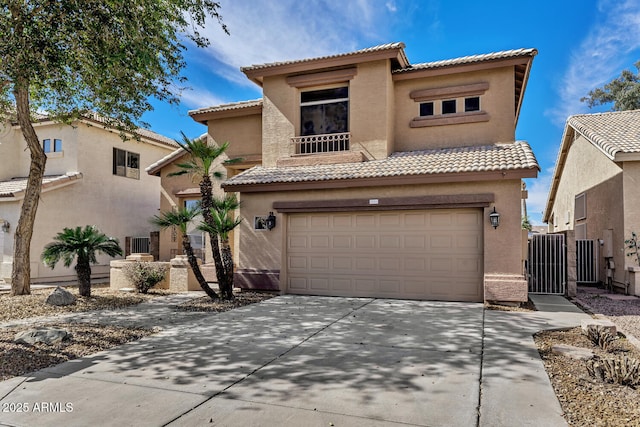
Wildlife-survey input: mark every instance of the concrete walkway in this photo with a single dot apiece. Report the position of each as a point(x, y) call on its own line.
point(311, 361)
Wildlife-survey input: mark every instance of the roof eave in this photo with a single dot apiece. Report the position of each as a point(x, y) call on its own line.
point(494, 175)
point(257, 73)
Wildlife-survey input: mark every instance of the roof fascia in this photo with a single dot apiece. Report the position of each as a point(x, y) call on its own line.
point(461, 68)
point(525, 80)
point(257, 74)
point(205, 116)
point(384, 181)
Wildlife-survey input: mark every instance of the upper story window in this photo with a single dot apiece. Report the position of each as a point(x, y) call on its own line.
point(426, 109)
point(324, 111)
point(126, 163)
point(450, 105)
point(52, 146)
point(472, 104)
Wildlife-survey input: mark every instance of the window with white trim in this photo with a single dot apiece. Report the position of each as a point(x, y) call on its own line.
point(126, 163)
point(52, 146)
point(324, 111)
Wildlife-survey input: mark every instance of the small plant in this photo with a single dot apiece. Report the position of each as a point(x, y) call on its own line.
point(600, 336)
point(526, 223)
point(632, 247)
point(622, 370)
point(144, 275)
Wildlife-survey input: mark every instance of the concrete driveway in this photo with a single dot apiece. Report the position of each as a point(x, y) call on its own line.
point(291, 361)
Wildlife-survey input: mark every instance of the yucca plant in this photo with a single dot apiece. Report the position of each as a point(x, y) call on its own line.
point(81, 244)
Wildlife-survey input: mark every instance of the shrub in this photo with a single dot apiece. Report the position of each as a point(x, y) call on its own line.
point(600, 336)
point(144, 275)
point(622, 370)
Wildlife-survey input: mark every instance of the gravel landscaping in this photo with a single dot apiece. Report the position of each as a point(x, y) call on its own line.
point(585, 400)
point(86, 339)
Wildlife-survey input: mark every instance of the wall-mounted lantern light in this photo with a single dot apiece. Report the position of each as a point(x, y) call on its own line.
point(270, 221)
point(5, 226)
point(494, 218)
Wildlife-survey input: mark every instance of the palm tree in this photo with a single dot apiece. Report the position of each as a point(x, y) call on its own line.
point(223, 222)
point(80, 243)
point(181, 218)
point(200, 166)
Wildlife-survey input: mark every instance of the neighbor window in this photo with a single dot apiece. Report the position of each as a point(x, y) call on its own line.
point(48, 147)
point(191, 204)
point(581, 207)
point(449, 106)
point(472, 104)
point(324, 111)
point(126, 163)
point(426, 109)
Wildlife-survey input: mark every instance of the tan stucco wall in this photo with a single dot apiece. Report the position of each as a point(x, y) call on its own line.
point(244, 134)
point(258, 249)
point(169, 200)
point(631, 209)
point(587, 170)
point(119, 206)
point(497, 101)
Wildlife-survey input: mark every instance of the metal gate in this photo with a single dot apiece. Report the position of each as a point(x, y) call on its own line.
point(586, 261)
point(139, 245)
point(547, 269)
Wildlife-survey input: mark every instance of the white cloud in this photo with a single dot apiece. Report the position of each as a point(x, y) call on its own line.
point(601, 55)
point(195, 98)
point(269, 31)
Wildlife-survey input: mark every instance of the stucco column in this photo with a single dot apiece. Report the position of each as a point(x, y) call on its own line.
point(572, 285)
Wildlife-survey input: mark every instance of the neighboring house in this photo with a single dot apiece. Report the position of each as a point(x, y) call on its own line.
point(179, 192)
point(380, 175)
point(595, 185)
point(92, 176)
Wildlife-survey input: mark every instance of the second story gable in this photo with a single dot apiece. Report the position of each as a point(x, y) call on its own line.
point(366, 105)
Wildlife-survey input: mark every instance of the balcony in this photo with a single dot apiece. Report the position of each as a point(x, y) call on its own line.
point(330, 148)
point(327, 143)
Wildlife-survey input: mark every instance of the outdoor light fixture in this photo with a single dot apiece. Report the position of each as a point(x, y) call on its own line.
point(5, 226)
point(494, 218)
point(270, 221)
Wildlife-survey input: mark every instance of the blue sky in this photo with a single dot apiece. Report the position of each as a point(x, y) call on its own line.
point(582, 44)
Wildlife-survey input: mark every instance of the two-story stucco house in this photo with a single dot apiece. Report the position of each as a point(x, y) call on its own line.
point(366, 175)
point(92, 176)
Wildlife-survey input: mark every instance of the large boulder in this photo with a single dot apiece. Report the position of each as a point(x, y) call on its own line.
point(61, 297)
point(47, 336)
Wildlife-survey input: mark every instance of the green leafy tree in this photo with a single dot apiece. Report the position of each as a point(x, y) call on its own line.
point(81, 244)
point(200, 165)
point(223, 221)
point(181, 218)
point(623, 92)
point(69, 57)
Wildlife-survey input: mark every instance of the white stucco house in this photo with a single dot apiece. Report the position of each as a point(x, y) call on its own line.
point(92, 176)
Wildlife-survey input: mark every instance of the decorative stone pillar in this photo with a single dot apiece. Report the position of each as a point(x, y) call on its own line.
point(634, 280)
point(182, 277)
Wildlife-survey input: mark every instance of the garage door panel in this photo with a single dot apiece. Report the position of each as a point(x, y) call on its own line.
point(433, 254)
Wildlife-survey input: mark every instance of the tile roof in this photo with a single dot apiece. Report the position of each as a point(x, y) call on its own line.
point(379, 48)
point(506, 54)
point(499, 157)
point(613, 132)
point(14, 186)
point(228, 107)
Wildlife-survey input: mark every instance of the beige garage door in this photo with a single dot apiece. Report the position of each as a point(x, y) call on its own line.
point(428, 254)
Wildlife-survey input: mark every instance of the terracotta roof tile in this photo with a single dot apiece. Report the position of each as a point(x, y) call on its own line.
point(382, 47)
point(612, 132)
point(228, 107)
point(506, 54)
point(14, 186)
point(499, 157)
